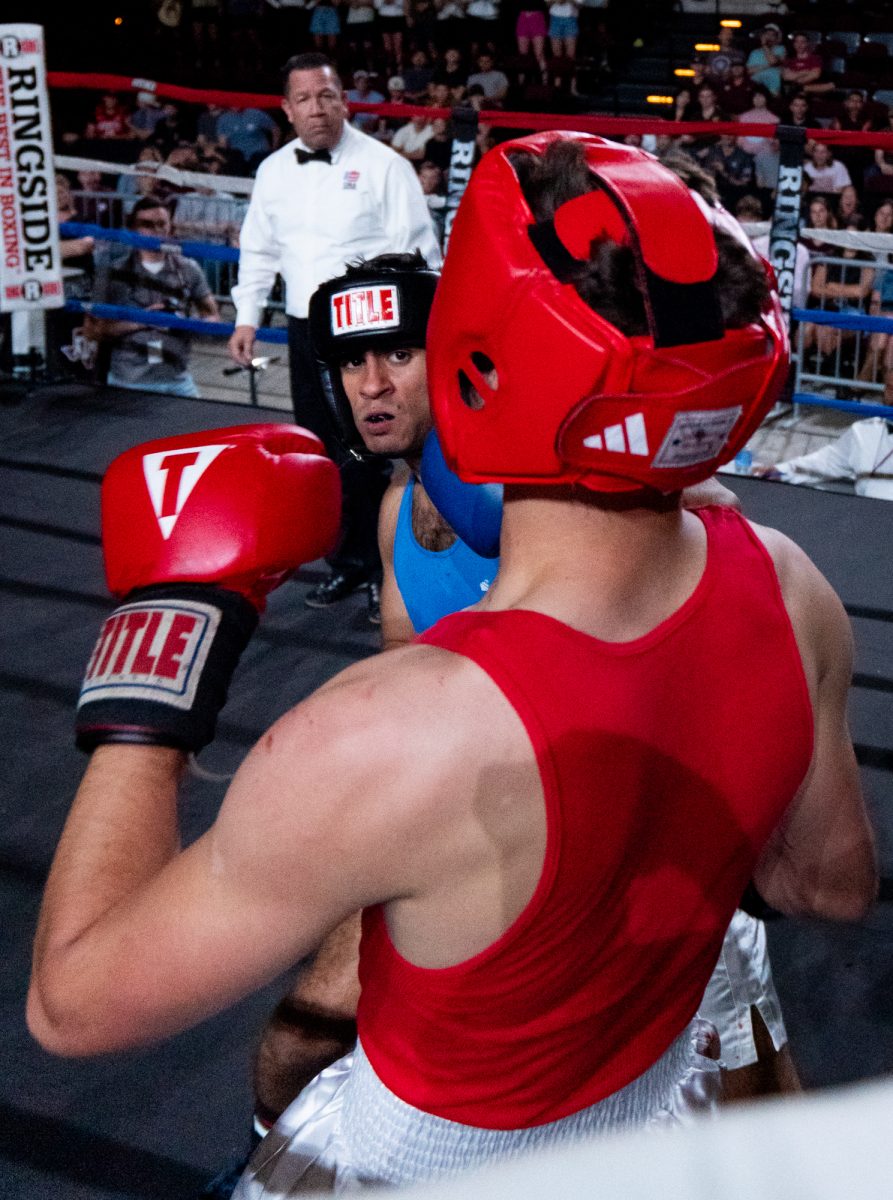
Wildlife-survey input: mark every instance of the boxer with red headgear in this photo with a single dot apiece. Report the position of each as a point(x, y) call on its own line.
point(534, 947)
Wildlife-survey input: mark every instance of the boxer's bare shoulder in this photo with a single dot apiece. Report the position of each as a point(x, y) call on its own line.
point(398, 774)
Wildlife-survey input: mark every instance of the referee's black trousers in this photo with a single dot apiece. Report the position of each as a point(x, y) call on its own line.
point(362, 483)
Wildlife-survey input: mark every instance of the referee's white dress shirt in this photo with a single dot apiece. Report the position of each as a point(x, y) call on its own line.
point(308, 222)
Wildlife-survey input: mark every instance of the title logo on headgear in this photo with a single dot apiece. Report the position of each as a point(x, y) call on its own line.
point(358, 309)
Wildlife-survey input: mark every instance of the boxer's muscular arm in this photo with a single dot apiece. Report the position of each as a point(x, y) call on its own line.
point(821, 859)
point(396, 627)
point(138, 940)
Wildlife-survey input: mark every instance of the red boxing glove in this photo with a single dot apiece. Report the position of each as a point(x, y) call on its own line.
point(197, 530)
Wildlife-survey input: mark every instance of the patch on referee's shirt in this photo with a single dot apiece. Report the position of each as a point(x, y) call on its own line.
point(152, 650)
point(350, 181)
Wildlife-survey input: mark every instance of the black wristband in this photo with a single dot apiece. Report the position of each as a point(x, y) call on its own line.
point(160, 671)
point(755, 906)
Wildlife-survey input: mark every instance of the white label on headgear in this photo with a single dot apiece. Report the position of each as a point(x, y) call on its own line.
point(696, 436)
point(359, 309)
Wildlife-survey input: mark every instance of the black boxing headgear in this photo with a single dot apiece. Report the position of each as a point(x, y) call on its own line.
point(382, 305)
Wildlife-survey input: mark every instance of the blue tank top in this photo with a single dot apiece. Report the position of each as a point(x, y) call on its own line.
point(435, 583)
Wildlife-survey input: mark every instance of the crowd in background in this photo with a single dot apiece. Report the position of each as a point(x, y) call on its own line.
point(523, 56)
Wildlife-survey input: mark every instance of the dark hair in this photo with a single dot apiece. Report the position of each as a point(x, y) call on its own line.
point(147, 204)
point(608, 282)
point(312, 60)
point(411, 260)
point(692, 174)
point(749, 208)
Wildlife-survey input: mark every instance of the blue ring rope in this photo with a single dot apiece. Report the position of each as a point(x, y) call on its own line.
point(117, 312)
point(172, 245)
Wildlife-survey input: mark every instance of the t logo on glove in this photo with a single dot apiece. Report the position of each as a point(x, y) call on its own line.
point(197, 530)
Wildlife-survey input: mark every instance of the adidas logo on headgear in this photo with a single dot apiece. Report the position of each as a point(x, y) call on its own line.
point(628, 438)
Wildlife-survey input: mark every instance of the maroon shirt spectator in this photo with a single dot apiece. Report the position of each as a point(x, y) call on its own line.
point(855, 118)
point(110, 120)
point(804, 67)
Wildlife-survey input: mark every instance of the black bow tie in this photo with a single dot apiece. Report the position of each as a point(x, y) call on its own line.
point(306, 156)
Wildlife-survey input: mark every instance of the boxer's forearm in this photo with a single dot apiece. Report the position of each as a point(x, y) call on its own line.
point(121, 831)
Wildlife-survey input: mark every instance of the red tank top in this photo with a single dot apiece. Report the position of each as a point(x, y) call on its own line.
point(666, 762)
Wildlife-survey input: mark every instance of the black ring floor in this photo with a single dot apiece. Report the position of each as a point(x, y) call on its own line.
point(161, 1122)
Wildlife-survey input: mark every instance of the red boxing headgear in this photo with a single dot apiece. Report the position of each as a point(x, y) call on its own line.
point(575, 400)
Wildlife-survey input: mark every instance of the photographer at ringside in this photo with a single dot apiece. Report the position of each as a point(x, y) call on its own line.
point(147, 357)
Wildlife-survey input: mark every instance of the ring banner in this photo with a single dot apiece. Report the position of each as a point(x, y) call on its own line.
point(465, 131)
point(785, 231)
point(30, 262)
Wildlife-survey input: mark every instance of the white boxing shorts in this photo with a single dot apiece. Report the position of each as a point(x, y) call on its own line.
point(742, 980)
point(347, 1131)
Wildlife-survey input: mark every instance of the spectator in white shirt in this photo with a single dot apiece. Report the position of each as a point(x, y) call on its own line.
point(823, 170)
point(411, 139)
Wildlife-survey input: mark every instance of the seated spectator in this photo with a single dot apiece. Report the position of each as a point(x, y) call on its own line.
point(855, 118)
point(439, 95)
point(249, 132)
point(798, 112)
point(749, 210)
point(433, 186)
point(396, 95)
point(758, 114)
point(65, 329)
point(819, 216)
point(879, 176)
point(411, 139)
point(363, 93)
point(207, 130)
point(736, 93)
point(452, 73)
point(169, 133)
point(391, 20)
point(824, 172)
point(682, 103)
point(803, 71)
point(475, 98)
point(359, 29)
point(842, 286)
point(732, 169)
point(564, 28)
point(76, 252)
point(417, 76)
point(719, 62)
point(848, 204)
point(493, 82)
point(145, 357)
point(704, 108)
point(881, 297)
point(145, 116)
point(110, 119)
point(764, 63)
point(765, 172)
point(148, 161)
point(439, 147)
point(93, 202)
